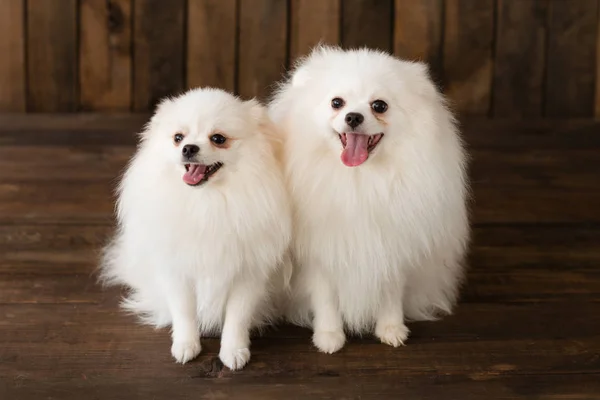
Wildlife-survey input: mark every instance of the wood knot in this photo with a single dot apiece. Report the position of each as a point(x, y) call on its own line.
point(210, 368)
point(328, 374)
point(116, 19)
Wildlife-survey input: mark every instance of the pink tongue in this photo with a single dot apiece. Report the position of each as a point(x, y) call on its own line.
point(194, 174)
point(356, 151)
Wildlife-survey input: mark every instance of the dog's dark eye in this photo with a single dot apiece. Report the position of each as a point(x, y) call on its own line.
point(379, 106)
point(337, 103)
point(218, 139)
point(178, 138)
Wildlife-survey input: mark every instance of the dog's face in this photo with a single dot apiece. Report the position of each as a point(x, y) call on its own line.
point(359, 119)
point(203, 133)
point(360, 100)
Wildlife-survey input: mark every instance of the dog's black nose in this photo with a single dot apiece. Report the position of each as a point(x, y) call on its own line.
point(354, 119)
point(190, 150)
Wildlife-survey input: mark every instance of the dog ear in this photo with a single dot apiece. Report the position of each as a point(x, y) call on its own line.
point(300, 77)
point(256, 109)
point(422, 80)
point(260, 114)
point(266, 127)
point(156, 119)
point(422, 68)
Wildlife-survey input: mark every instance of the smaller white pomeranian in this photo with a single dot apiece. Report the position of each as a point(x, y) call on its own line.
point(203, 224)
point(376, 171)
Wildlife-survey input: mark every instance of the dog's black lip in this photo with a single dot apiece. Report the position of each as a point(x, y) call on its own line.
point(218, 166)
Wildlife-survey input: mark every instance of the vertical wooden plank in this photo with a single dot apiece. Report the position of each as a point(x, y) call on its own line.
point(520, 56)
point(52, 55)
point(597, 113)
point(468, 65)
point(12, 61)
point(158, 51)
point(313, 22)
point(105, 55)
point(571, 58)
point(263, 46)
point(367, 23)
point(211, 46)
point(418, 32)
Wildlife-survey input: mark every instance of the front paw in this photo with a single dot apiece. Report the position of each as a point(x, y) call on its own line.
point(185, 350)
point(329, 341)
point(392, 334)
point(234, 358)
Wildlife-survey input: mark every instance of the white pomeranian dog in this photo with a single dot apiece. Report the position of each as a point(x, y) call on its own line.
point(376, 172)
point(204, 223)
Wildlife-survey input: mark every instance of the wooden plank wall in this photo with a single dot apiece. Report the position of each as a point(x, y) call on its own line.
point(495, 58)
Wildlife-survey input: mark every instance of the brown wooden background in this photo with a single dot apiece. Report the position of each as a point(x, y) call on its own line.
point(499, 58)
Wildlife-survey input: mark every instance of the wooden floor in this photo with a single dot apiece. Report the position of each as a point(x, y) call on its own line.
point(528, 326)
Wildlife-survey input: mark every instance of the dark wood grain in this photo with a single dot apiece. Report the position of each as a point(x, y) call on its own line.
point(285, 355)
point(542, 246)
point(418, 33)
point(525, 191)
point(312, 23)
point(468, 324)
point(12, 62)
point(105, 55)
point(13, 125)
point(367, 23)
point(211, 43)
point(263, 46)
point(487, 385)
point(519, 64)
point(540, 204)
point(52, 55)
point(59, 259)
point(571, 58)
point(19, 129)
point(494, 58)
point(535, 176)
point(531, 134)
point(158, 59)
point(56, 200)
point(64, 164)
point(96, 349)
point(597, 108)
point(526, 326)
point(468, 62)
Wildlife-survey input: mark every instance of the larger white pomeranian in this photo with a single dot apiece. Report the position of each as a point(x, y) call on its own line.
point(376, 171)
point(204, 223)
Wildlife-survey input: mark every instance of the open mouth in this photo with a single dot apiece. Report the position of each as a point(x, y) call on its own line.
point(197, 174)
point(357, 147)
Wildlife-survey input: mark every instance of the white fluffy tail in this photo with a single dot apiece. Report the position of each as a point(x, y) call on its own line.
point(141, 301)
point(432, 291)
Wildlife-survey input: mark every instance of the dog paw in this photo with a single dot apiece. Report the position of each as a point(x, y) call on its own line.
point(184, 351)
point(393, 334)
point(234, 358)
point(329, 341)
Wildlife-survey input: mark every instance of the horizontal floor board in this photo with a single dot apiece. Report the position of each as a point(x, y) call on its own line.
point(323, 385)
point(497, 168)
point(78, 283)
point(492, 246)
point(53, 122)
point(104, 322)
point(526, 326)
point(92, 199)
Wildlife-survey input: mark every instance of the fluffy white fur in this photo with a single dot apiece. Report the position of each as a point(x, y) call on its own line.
point(383, 242)
point(203, 259)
